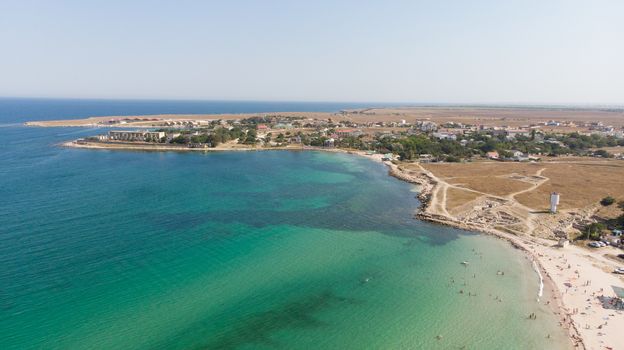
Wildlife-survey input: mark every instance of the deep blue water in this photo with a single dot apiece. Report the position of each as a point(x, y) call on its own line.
point(19, 110)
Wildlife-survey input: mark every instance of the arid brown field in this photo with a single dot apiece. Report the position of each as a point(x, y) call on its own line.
point(581, 182)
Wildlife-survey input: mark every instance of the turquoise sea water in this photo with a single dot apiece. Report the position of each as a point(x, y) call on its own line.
point(269, 250)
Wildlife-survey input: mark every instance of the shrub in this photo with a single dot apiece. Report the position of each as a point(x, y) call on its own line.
point(606, 201)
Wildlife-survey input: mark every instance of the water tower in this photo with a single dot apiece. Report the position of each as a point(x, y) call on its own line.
point(554, 201)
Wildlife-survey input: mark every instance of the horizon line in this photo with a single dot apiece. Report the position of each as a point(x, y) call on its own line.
point(370, 104)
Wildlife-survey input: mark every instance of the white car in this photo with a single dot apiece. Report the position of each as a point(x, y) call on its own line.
point(594, 245)
point(619, 270)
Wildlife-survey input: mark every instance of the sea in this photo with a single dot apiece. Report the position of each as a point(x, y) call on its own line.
point(105, 249)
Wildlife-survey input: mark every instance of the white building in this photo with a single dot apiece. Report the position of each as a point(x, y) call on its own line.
point(554, 202)
point(137, 135)
point(427, 126)
point(444, 136)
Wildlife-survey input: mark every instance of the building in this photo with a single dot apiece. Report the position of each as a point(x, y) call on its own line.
point(137, 135)
point(444, 136)
point(387, 157)
point(282, 126)
point(425, 158)
point(563, 243)
point(348, 132)
point(554, 202)
point(516, 154)
point(427, 126)
point(512, 133)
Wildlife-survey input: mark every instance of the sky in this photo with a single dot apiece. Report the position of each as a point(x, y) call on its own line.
point(534, 52)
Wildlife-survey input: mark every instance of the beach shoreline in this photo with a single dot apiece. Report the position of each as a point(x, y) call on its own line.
point(540, 252)
point(575, 309)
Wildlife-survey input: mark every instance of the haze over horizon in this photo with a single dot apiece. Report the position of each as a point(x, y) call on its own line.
point(485, 52)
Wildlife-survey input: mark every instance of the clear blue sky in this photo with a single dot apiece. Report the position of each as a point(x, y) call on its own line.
point(377, 51)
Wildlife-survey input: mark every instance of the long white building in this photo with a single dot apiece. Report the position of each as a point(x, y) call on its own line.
point(137, 135)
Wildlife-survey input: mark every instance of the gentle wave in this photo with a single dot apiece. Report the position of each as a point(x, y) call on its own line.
point(540, 292)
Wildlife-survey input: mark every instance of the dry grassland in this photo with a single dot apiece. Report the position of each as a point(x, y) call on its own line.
point(490, 116)
point(581, 183)
point(455, 198)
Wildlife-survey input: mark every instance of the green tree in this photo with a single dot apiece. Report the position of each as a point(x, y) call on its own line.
point(594, 230)
point(180, 139)
point(251, 137)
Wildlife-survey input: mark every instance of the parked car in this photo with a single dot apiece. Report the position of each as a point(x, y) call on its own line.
point(619, 270)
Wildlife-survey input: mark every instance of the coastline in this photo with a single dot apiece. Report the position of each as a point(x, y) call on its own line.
point(158, 148)
point(542, 253)
point(574, 290)
point(428, 185)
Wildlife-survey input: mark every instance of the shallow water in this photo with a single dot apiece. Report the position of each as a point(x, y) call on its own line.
point(292, 250)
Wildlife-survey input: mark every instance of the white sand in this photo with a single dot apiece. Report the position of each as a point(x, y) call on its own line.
point(570, 269)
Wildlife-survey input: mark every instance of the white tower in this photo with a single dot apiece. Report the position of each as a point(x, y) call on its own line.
point(554, 201)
